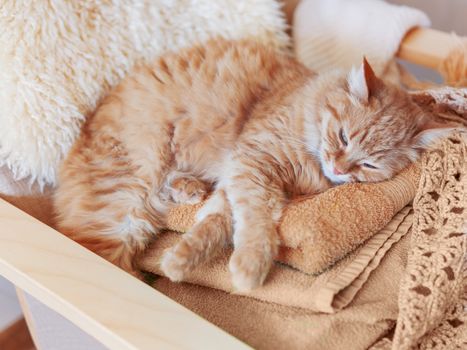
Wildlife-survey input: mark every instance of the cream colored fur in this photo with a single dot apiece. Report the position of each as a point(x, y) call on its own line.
point(58, 58)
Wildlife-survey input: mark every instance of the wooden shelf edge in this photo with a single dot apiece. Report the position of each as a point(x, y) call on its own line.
point(109, 304)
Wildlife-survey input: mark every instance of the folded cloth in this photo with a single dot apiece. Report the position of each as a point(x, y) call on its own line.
point(262, 325)
point(332, 34)
point(328, 292)
point(316, 232)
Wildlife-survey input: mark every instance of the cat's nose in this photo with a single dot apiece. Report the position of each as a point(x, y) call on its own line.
point(337, 172)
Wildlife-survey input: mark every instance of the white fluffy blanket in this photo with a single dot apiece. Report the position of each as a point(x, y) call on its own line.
point(59, 57)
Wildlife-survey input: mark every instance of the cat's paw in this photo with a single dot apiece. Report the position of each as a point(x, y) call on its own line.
point(177, 262)
point(249, 268)
point(188, 190)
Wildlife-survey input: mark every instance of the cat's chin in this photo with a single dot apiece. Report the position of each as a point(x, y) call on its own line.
point(339, 179)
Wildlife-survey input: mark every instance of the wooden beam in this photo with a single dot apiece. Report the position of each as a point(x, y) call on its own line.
point(427, 47)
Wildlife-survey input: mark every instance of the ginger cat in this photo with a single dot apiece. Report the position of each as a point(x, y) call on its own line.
point(252, 125)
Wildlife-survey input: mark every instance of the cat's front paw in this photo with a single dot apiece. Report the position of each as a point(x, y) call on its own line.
point(188, 190)
point(249, 268)
point(177, 262)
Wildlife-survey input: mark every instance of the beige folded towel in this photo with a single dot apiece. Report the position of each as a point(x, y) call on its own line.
point(328, 292)
point(316, 232)
point(262, 325)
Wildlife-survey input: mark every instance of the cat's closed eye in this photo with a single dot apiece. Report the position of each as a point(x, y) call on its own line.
point(343, 137)
point(368, 165)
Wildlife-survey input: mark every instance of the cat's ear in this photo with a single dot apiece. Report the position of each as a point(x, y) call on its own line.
point(363, 82)
point(431, 132)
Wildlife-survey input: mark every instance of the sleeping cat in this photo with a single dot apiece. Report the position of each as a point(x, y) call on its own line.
point(251, 125)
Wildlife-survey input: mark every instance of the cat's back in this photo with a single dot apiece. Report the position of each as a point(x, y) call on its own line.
point(210, 91)
point(222, 79)
point(204, 86)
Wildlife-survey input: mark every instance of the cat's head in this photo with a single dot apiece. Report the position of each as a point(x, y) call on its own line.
point(371, 130)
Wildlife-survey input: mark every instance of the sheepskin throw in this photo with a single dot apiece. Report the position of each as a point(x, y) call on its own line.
point(59, 57)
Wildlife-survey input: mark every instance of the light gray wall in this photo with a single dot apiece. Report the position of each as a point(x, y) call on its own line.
point(9, 307)
point(447, 15)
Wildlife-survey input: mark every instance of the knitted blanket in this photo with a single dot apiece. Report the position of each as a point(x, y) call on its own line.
point(433, 293)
